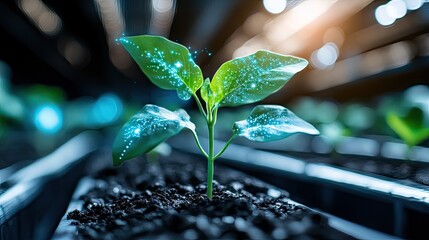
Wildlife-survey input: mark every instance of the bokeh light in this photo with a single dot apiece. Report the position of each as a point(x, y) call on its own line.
point(385, 15)
point(325, 57)
point(414, 4)
point(399, 7)
point(48, 118)
point(275, 6)
point(162, 6)
point(107, 108)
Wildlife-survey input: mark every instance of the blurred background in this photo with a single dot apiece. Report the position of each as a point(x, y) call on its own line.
point(366, 88)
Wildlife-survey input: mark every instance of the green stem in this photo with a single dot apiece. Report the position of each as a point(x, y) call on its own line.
point(211, 141)
point(211, 121)
point(200, 107)
point(214, 116)
point(199, 144)
point(224, 147)
point(210, 172)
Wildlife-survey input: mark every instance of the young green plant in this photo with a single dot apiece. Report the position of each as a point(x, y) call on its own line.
point(240, 81)
point(411, 128)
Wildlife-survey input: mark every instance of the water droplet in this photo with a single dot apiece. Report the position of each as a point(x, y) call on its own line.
point(185, 95)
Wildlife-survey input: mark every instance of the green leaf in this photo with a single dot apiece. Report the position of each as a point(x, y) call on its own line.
point(252, 78)
point(410, 128)
point(167, 64)
point(148, 128)
point(271, 122)
point(206, 92)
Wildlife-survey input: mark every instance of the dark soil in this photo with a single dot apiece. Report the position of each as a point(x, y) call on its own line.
point(167, 200)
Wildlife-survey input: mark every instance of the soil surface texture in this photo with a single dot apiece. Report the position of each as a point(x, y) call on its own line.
point(167, 200)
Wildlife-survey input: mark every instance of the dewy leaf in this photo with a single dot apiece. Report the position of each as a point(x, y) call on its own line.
point(148, 128)
point(271, 122)
point(167, 64)
point(252, 78)
point(410, 128)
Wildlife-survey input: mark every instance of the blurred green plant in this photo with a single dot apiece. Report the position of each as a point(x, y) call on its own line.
point(357, 117)
point(410, 128)
point(37, 94)
point(240, 81)
point(11, 108)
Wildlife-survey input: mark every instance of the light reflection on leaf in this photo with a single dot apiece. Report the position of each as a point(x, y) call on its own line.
point(167, 64)
point(148, 128)
point(271, 122)
point(252, 78)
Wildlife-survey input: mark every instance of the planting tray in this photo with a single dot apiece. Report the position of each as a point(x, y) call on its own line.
point(33, 198)
point(27, 196)
point(393, 206)
point(16, 151)
point(87, 202)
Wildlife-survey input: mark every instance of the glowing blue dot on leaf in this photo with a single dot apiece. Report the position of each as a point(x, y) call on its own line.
point(178, 64)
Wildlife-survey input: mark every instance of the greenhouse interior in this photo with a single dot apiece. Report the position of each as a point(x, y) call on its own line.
point(214, 119)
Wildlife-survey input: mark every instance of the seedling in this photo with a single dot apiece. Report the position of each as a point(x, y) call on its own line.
point(240, 81)
point(410, 128)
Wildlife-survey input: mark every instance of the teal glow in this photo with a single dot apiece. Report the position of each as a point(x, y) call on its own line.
point(149, 127)
point(48, 118)
point(178, 64)
point(108, 108)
